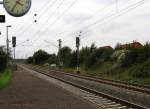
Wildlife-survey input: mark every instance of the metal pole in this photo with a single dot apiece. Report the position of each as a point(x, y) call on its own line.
point(78, 60)
point(14, 54)
point(78, 57)
point(59, 48)
point(7, 44)
point(1, 2)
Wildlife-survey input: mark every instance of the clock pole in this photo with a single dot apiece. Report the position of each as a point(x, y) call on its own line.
point(1, 2)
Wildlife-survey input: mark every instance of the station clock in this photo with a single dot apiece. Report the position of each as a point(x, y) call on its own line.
point(17, 8)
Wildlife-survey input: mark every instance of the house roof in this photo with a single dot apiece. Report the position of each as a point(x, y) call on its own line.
point(107, 47)
point(134, 44)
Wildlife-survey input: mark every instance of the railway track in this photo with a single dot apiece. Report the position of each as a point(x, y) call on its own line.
point(105, 101)
point(134, 87)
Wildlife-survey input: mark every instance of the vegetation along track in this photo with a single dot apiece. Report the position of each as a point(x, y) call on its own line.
point(129, 86)
point(108, 101)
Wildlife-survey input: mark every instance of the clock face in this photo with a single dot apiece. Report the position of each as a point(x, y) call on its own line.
point(17, 8)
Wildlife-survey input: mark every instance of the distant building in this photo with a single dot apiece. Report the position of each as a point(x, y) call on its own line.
point(106, 47)
point(134, 44)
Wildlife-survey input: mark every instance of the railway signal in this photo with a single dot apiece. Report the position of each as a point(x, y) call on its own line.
point(14, 41)
point(2, 18)
point(78, 45)
point(14, 45)
point(59, 55)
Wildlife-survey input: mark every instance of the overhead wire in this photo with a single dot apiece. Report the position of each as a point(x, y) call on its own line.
point(59, 17)
point(64, 12)
point(100, 10)
point(94, 15)
point(119, 13)
point(40, 10)
point(52, 14)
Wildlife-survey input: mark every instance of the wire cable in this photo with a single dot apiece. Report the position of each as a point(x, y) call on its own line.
point(58, 18)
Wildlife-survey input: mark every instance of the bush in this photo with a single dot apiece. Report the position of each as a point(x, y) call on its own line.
point(99, 56)
point(136, 55)
point(3, 61)
point(142, 71)
point(52, 59)
point(29, 60)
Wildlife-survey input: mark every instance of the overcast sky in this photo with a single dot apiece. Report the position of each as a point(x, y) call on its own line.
point(104, 22)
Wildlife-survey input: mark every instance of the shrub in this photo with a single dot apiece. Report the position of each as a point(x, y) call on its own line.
point(29, 60)
point(142, 71)
point(99, 56)
point(3, 61)
point(130, 58)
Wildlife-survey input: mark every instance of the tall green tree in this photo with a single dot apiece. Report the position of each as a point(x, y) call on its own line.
point(65, 55)
point(40, 57)
point(3, 60)
point(53, 59)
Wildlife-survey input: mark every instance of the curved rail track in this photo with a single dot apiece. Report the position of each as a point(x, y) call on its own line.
point(129, 86)
point(107, 101)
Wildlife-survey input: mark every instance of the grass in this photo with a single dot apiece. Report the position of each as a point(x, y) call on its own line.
point(5, 78)
point(112, 71)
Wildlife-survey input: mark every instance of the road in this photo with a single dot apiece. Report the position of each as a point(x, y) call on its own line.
point(27, 91)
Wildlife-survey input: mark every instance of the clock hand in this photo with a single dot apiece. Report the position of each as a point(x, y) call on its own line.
point(19, 3)
point(14, 7)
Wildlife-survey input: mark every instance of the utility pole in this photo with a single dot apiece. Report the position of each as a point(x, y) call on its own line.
point(7, 44)
point(78, 45)
point(59, 48)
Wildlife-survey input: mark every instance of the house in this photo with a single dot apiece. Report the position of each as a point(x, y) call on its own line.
point(106, 47)
point(134, 44)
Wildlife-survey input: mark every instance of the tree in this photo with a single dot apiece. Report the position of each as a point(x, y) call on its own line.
point(99, 56)
point(40, 57)
point(73, 59)
point(65, 55)
point(3, 60)
point(84, 54)
point(136, 55)
point(29, 60)
point(52, 59)
point(117, 47)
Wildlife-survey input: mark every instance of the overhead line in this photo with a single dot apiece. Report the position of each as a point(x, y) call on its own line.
point(122, 12)
point(58, 18)
point(30, 25)
point(135, 5)
point(52, 14)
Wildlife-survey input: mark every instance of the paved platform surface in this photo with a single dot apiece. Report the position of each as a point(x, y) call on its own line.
point(29, 92)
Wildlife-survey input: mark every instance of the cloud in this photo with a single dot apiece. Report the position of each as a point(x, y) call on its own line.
point(76, 18)
point(131, 26)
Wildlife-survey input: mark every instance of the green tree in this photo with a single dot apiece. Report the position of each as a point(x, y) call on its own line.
point(99, 56)
point(130, 57)
point(84, 54)
point(53, 59)
point(29, 60)
point(73, 59)
point(40, 57)
point(65, 56)
point(3, 60)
